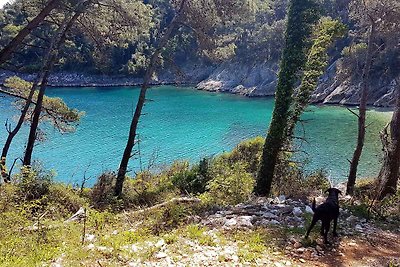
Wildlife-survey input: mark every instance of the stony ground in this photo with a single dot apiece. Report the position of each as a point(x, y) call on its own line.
point(265, 232)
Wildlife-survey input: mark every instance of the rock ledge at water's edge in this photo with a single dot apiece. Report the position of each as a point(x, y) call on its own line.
point(247, 79)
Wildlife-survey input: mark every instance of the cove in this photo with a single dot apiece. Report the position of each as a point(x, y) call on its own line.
point(184, 123)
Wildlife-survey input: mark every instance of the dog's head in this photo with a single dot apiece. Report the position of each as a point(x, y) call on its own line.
point(333, 192)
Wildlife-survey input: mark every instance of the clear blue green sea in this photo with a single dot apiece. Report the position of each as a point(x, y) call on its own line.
point(183, 123)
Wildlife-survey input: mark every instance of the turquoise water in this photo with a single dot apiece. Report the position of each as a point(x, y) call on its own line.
point(183, 123)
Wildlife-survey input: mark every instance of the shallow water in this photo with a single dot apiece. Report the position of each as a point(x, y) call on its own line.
point(183, 123)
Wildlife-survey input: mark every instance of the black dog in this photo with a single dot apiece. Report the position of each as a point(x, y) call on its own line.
point(326, 212)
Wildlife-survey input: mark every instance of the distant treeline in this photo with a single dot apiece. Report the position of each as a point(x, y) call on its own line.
point(256, 36)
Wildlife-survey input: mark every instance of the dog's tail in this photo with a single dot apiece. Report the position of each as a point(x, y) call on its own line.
point(313, 205)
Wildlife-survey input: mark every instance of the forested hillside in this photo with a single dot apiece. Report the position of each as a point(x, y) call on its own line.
point(243, 59)
point(224, 195)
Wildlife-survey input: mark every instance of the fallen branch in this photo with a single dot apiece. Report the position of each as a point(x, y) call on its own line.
point(80, 214)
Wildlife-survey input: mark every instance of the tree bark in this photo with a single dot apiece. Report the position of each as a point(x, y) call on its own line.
point(351, 180)
point(317, 62)
point(293, 60)
point(17, 40)
point(48, 64)
point(123, 167)
point(13, 133)
point(389, 173)
point(39, 80)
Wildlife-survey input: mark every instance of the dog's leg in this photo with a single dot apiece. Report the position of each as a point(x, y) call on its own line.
point(334, 227)
point(322, 228)
point(327, 225)
point(313, 222)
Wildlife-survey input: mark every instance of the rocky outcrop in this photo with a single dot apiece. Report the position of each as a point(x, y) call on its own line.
point(248, 79)
point(188, 74)
point(260, 80)
point(245, 79)
point(331, 90)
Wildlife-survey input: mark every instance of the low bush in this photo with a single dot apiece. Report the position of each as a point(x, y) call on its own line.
point(230, 185)
point(365, 199)
point(192, 180)
point(63, 200)
point(103, 191)
point(33, 183)
point(247, 153)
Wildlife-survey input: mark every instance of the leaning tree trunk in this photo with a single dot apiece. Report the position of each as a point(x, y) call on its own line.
point(351, 180)
point(17, 40)
point(123, 167)
point(297, 31)
point(48, 64)
point(389, 173)
point(315, 66)
point(13, 133)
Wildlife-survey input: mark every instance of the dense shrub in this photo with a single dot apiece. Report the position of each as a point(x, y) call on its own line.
point(317, 181)
point(63, 200)
point(148, 188)
point(145, 189)
point(193, 180)
point(33, 183)
point(34, 193)
point(364, 200)
point(389, 207)
point(230, 185)
point(103, 191)
point(8, 197)
point(292, 181)
point(247, 153)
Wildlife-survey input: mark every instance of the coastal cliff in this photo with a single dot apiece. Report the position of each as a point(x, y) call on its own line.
point(260, 80)
point(247, 79)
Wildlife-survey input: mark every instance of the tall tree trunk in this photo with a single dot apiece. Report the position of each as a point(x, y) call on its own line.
point(317, 61)
point(48, 64)
point(123, 167)
point(17, 40)
point(351, 180)
point(389, 173)
point(297, 31)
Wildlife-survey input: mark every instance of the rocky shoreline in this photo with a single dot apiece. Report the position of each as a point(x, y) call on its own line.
point(251, 80)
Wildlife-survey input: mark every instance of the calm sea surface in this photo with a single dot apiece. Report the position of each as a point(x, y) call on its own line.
point(183, 123)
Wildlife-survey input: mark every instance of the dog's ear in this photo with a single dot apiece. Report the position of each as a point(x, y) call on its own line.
point(328, 190)
point(339, 192)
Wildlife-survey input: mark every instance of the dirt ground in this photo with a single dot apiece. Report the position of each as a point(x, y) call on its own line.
point(379, 248)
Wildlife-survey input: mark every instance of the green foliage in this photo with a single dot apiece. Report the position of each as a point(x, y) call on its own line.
point(34, 192)
point(318, 180)
point(17, 84)
point(301, 18)
point(291, 181)
point(192, 180)
point(254, 244)
point(63, 200)
point(247, 153)
point(198, 233)
point(326, 33)
point(265, 34)
point(172, 217)
point(230, 185)
point(54, 110)
point(145, 189)
point(103, 40)
point(364, 203)
point(351, 64)
point(148, 188)
point(33, 183)
point(102, 192)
